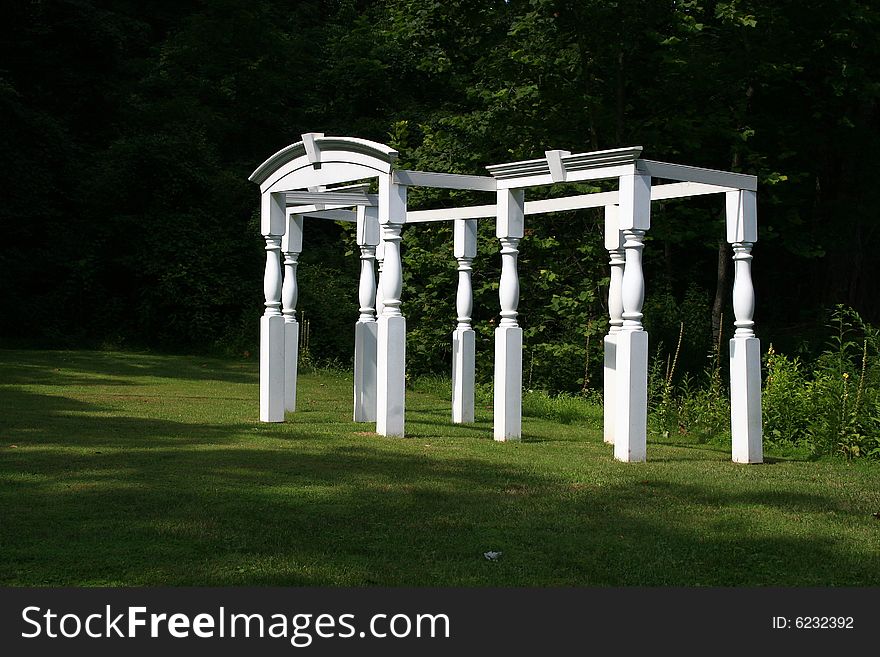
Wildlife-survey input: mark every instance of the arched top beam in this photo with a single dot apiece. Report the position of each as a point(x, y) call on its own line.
point(319, 160)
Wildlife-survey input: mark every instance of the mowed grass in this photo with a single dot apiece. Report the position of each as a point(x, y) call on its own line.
point(131, 469)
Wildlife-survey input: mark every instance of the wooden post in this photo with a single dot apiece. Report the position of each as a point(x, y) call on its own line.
point(508, 336)
point(391, 339)
point(631, 342)
point(745, 348)
point(463, 338)
point(380, 260)
point(366, 328)
point(614, 244)
point(291, 247)
point(272, 218)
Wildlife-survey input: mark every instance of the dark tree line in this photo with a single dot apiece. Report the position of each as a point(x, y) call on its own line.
point(129, 130)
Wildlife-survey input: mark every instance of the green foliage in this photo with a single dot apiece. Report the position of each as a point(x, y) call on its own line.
point(130, 130)
point(831, 407)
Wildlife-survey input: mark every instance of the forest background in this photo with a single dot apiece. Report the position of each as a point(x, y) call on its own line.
point(129, 130)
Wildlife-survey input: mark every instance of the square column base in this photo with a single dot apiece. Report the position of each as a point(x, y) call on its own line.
point(745, 400)
point(272, 369)
point(508, 383)
point(463, 369)
point(365, 342)
point(291, 363)
point(631, 396)
point(608, 383)
point(390, 375)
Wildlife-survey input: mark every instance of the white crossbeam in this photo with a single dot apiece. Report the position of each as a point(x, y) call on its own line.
point(579, 202)
point(332, 197)
point(669, 171)
point(444, 180)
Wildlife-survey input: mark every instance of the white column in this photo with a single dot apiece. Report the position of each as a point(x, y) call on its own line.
point(745, 348)
point(272, 219)
point(391, 338)
point(508, 336)
point(463, 338)
point(291, 247)
point(366, 328)
point(614, 244)
point(380, 260)
point(631, 342)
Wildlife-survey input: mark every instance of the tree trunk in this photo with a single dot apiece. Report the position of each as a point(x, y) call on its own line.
point(720, 290)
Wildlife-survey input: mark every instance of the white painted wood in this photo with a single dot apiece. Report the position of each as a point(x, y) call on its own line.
point(508, 290)
point(507, 423)
point(743, 290)
point(444, 180)
point(669, 171)
point(463, 373)
point(272, 337)
point(685, 190)
point(570, 176)
point(571, 164)
point(380, 260)
point(392, 271)
point(745, 363)
point(451, 214)
point(631, 357)
point(609, 387)
point(291, 247)
point(272, 214)
point(292, 240)
point(509, 228)
point(366, 335)
point(631, 396)
point(614, 244)
point(367, 230)
point(742, 218)
point(390, 362)
point(464, 298)
point(347, 216)
point(745, 400)
point(333, 151)
point(554, 163)
point(390, 375)
point(271, 368)
point(320, 164)
point(464, 239)
point(305, 175)
point(331, 197)
point(566, 203)
point(464, 338)
point(510, 211)
point(309, 141)
point(635, 202)
point(633, 284)
point(392, 201)
point(366, 329)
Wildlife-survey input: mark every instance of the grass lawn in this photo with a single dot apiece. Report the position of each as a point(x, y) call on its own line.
point(133, 469)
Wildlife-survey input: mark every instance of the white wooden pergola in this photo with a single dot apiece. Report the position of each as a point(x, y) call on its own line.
point(329, 178)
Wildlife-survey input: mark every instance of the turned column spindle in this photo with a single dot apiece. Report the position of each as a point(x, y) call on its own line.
point(633, 283)
point(272, 276)
point(392, 272)
point(508, 290)
point(743, 290)
point(367, 286)
point(464, 298)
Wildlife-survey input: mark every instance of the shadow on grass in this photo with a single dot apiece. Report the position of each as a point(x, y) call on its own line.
point(113, 499)
point(191, 515)
point(110, 368)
